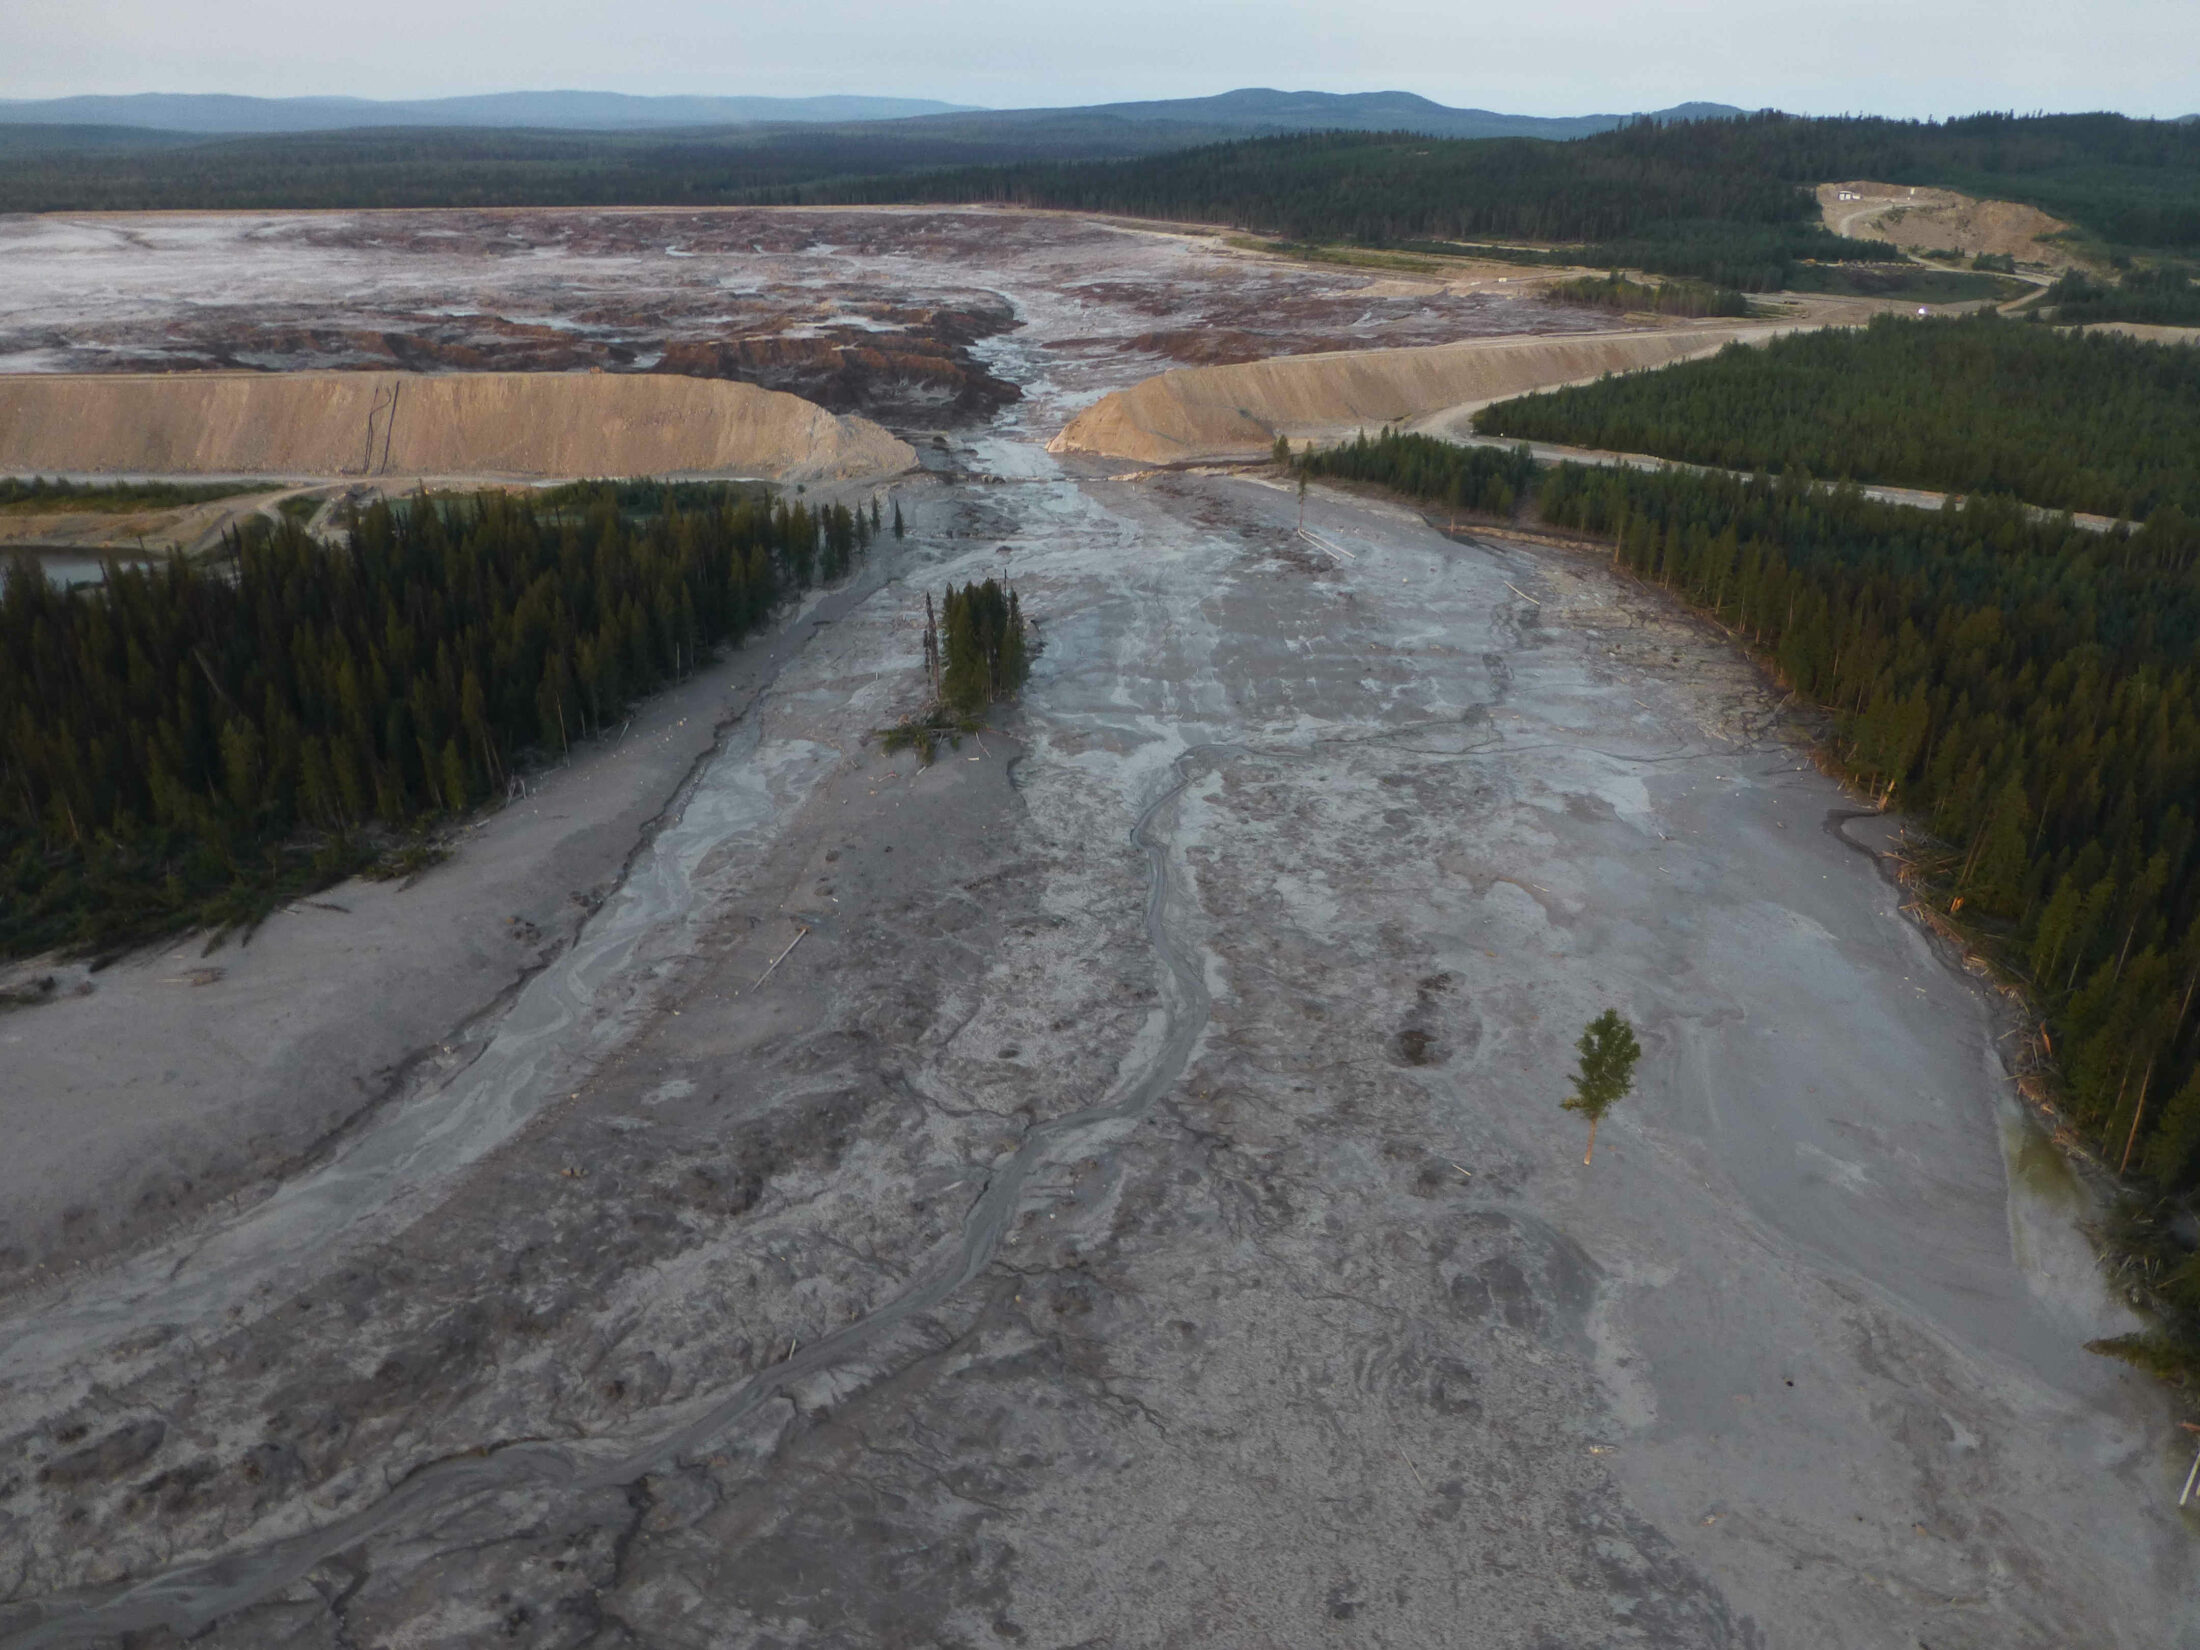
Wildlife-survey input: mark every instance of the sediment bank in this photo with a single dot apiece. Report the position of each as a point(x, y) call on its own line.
point(408, 424)
point(1237, 412)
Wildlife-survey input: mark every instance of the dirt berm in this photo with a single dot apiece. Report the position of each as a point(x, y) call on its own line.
point(1237, 412)
point(408, 424)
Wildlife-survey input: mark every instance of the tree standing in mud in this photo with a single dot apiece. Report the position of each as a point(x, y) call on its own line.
point(1608, 1055)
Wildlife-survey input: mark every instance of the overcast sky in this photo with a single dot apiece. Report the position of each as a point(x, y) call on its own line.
point(1897, 57)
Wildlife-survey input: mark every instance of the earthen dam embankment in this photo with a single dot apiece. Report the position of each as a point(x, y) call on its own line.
point(410, 424)
point(1238, 411)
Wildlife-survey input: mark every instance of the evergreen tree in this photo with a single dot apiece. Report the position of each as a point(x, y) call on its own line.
point(985, 653)
point(1608, 1054)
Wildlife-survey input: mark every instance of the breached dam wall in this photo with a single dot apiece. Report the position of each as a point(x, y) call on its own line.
point(413, 424)
point(1237, 412)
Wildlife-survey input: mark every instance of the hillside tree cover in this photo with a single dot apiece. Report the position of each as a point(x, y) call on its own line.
point(2093, 422)
point(1663, 210)
point(1614, 292)
point(193, 742)
point(1486, 480)
point(1729, 201)
point(2167, 297)
point(36, 494)
point(1723, 200)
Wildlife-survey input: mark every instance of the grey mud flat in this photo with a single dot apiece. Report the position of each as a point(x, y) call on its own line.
point(1108, 1187)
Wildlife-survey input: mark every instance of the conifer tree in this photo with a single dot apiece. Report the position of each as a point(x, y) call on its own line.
point(1608, 1054)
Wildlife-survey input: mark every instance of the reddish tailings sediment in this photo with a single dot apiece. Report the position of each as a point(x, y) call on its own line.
point(1238, 411)
point(406, 424)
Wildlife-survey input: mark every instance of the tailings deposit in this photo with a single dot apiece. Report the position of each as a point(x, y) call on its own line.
point(1106, 1186)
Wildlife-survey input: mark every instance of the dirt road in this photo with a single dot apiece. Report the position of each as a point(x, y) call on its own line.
point(1138, 1210)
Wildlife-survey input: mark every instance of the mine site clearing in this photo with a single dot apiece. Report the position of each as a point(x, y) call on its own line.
point(1109, 1181)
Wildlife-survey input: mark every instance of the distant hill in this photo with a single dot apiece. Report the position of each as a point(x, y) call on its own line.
point(1259, 111)
point(1254, 111)
point(555, 111)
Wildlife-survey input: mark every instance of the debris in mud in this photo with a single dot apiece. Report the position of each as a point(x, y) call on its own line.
point(24, 993)
point(124, 1448)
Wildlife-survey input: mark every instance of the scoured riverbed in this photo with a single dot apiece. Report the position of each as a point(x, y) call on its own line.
point(1139, 1212)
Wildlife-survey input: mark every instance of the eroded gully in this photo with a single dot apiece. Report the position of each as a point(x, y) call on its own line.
point(191, 1597)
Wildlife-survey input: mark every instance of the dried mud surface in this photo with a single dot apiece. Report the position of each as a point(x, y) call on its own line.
point(1136, 1209)
point(869, 312)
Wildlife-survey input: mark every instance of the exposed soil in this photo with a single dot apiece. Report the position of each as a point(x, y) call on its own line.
point(1239, 411)
point(1109, 1187)
point(529, 424)
point(1927, 220)
point(871, 312)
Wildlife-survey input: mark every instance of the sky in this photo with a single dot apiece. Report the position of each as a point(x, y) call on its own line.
point(1544, 57)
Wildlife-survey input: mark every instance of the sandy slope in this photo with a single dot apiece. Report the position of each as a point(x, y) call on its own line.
point(378, 423)
point(1235, 412)
point(1926, 220)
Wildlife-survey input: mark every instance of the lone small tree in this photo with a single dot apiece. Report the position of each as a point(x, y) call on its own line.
point(1608, 1055)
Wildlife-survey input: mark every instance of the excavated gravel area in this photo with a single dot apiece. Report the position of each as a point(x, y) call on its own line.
point(1108, 1187)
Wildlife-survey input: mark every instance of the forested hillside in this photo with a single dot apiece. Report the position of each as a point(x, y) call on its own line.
point(2093, 422)
point(461, 167)
point(2029, 691)
point(1665, 207)
point(2153, 297)
point(1620, 295)
point(1727, 200)
point(194, 742)
point(2129, 182)
point(1717, 199)
point(37, 494)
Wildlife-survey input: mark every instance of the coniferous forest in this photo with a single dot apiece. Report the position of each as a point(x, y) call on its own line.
point(36, 493)
point(1615, 293)
point(2093, 422)
point(2153, 297)
point(2027, 690)
point(982, 652)
point(194, 742)
point(1486, 480)
point(1727, 201)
